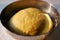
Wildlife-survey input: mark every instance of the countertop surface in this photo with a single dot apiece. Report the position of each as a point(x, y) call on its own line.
point(3, 34)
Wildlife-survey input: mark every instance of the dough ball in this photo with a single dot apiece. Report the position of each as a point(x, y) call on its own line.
point(27, 21)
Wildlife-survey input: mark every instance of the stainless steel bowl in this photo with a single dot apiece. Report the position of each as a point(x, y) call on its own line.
point(11, 9)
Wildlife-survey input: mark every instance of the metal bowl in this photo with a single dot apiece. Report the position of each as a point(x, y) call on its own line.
point(14, 7)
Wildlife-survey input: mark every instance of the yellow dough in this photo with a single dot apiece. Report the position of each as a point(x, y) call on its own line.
point(48, 24)
point(28, 21)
